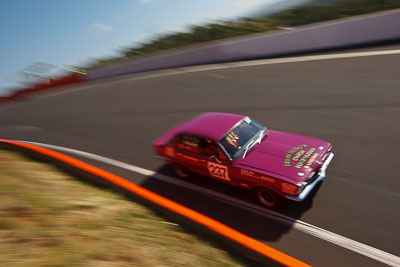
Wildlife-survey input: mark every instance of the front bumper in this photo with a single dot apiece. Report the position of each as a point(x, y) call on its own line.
point(308, 188)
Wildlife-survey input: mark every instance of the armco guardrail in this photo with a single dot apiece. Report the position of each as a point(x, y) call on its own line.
point(43, 86)
point(335, 34)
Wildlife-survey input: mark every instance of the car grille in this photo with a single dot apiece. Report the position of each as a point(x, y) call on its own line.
point(313, 178)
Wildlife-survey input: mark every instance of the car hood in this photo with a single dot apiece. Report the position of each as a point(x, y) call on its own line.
point(287, 156)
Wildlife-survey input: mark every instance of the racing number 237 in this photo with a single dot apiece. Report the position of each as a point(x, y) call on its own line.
point(217, 170)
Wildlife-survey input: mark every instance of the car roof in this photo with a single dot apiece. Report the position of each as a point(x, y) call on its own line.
point(212, 125)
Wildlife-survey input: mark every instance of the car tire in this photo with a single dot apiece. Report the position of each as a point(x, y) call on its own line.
point(181, 171)
point(268, 198)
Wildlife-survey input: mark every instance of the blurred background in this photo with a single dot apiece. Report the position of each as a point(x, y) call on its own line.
point(46, 39)
point(348, 98)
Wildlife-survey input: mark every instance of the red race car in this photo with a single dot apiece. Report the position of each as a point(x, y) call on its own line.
point(241, 152)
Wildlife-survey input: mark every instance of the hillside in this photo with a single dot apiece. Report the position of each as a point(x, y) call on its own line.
point(311, 12)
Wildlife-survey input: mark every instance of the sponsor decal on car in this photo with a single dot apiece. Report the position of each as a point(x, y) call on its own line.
point(255, 175)
point(218, 171)
point(304, 158)
point(311, 160)
point(288, 156)
point(247, 172)
point(233, 139)
point(300, 156)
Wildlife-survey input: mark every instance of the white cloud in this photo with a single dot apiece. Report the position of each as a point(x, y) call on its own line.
point(97, 28)
point(101, 27)
point(251, 3)
point(144, 2)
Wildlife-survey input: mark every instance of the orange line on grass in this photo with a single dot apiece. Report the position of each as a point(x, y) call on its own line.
point(169, 204)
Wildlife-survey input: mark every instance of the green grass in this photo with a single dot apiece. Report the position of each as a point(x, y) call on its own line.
point(48, 218)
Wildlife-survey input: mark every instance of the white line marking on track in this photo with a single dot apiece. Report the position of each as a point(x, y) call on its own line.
point(304, 227)
point(170, 223)
point(183, 70)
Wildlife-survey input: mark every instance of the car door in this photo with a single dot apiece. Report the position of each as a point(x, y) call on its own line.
point(188, 153)
point(214, 164)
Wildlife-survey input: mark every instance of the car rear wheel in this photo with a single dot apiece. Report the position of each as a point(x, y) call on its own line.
point(269, 198)
point(181, 171)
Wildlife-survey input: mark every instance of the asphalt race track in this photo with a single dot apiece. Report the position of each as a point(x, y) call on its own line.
point(352, 102)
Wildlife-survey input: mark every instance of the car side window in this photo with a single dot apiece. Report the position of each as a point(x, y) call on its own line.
point(189, 144)
point(208, 148)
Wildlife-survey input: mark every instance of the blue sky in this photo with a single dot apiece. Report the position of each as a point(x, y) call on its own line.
point(65, 33)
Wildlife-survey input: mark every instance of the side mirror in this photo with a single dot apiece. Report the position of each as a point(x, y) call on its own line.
point(222, 157)
point(213, 158)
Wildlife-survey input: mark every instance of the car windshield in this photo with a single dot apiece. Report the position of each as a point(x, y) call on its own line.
point(240, 138)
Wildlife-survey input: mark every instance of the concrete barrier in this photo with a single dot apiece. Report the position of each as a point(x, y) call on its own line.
point(329, 35)
point(186, 57)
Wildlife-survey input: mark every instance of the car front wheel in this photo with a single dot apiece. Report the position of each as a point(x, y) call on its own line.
point(269, 198)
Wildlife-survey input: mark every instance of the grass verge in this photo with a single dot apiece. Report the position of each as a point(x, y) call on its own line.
point(48, 218)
